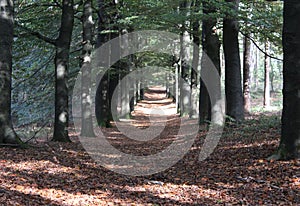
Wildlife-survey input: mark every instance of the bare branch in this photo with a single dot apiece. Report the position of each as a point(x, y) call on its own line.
point(37, 34)
point(257, 46)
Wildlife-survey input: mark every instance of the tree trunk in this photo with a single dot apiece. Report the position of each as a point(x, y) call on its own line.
point(290, 133)
point(102, 103)
point(185, 90)
point(61, 73)
point(7, 134)
point(101, 99)
point(177, 92)
point(267, 77)
point(246, 75)
point(211, 46)
point(86, 109)
point(233, 87)
point(195, 65)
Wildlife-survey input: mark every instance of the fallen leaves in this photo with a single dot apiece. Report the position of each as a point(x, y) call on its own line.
point(236, 173)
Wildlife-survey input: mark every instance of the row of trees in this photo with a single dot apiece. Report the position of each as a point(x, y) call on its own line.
point(72, 35)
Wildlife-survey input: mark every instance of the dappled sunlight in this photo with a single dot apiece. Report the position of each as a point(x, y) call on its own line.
point(236, 173)
point(64, 198)
point(39, 166)
point(167, 191)
point(255, 144)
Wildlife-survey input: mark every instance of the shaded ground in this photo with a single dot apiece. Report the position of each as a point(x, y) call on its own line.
point(236, 173)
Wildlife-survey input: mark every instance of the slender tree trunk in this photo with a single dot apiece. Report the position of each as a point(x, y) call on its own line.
point(290, 133)
point(211, 46)
point(195, 64)
point(267, 77)
point(233, 87)
point(246, 75)
point(177, 90)
point(253, 69)
point(125, 69)
point(255, 73)
point(86, 109)
point(7, 134)
point(61, 73)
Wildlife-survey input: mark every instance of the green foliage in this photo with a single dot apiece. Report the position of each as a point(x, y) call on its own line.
point(33, 73)
point(263, 20)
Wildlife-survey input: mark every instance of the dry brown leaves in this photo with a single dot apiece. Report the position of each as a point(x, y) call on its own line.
point(236, 173)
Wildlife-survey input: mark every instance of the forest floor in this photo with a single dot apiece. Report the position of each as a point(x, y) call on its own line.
point(236, 173)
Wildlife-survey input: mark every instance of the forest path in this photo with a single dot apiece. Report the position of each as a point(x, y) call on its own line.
point(236, 173)
point(156, 107)
point(153, 126)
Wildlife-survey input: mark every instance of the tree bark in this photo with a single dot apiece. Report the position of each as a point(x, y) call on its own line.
point(267, 77)
point(87, 129)
point(211, 46)
point(233, 87)
point(246, 75)
point(101, 99)
point(185, 90)
point(63, 43)
point(7, 134)
point(194, 113)
point(290, 133)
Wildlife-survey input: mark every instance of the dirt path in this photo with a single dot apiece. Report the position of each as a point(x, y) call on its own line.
point(155, 113)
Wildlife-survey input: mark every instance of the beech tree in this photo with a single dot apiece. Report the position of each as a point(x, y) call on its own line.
point(233, 87)
point(185, 88)
point(87, 34)
point(7, 134)
point(211, 46)
point(62, 44)
point(267, 66)
point(246, 75)
point(290, 132)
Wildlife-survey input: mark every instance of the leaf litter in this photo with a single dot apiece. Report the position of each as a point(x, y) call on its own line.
point(237, 173)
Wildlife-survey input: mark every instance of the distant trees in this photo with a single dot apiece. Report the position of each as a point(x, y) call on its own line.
point(246, 75)
point(267, 67)
point(67, 32)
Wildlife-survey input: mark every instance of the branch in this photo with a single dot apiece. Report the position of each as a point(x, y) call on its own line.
point(37, 34)
point(32, 75)
point(57, 3)
point(36, 132)
point(257, 46)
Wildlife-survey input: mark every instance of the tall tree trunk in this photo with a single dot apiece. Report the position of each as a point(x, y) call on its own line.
point(101, 99)
point(7, 134)
point(267, 77)
point(246, 74)
point(61, 72)
point(195, 64)
point(86, 109)
point(110, 79)
point(211, 46)
point(233, 87)
point(114, 71)
point(185, 90)
point(290, 132)
point(125, 69)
